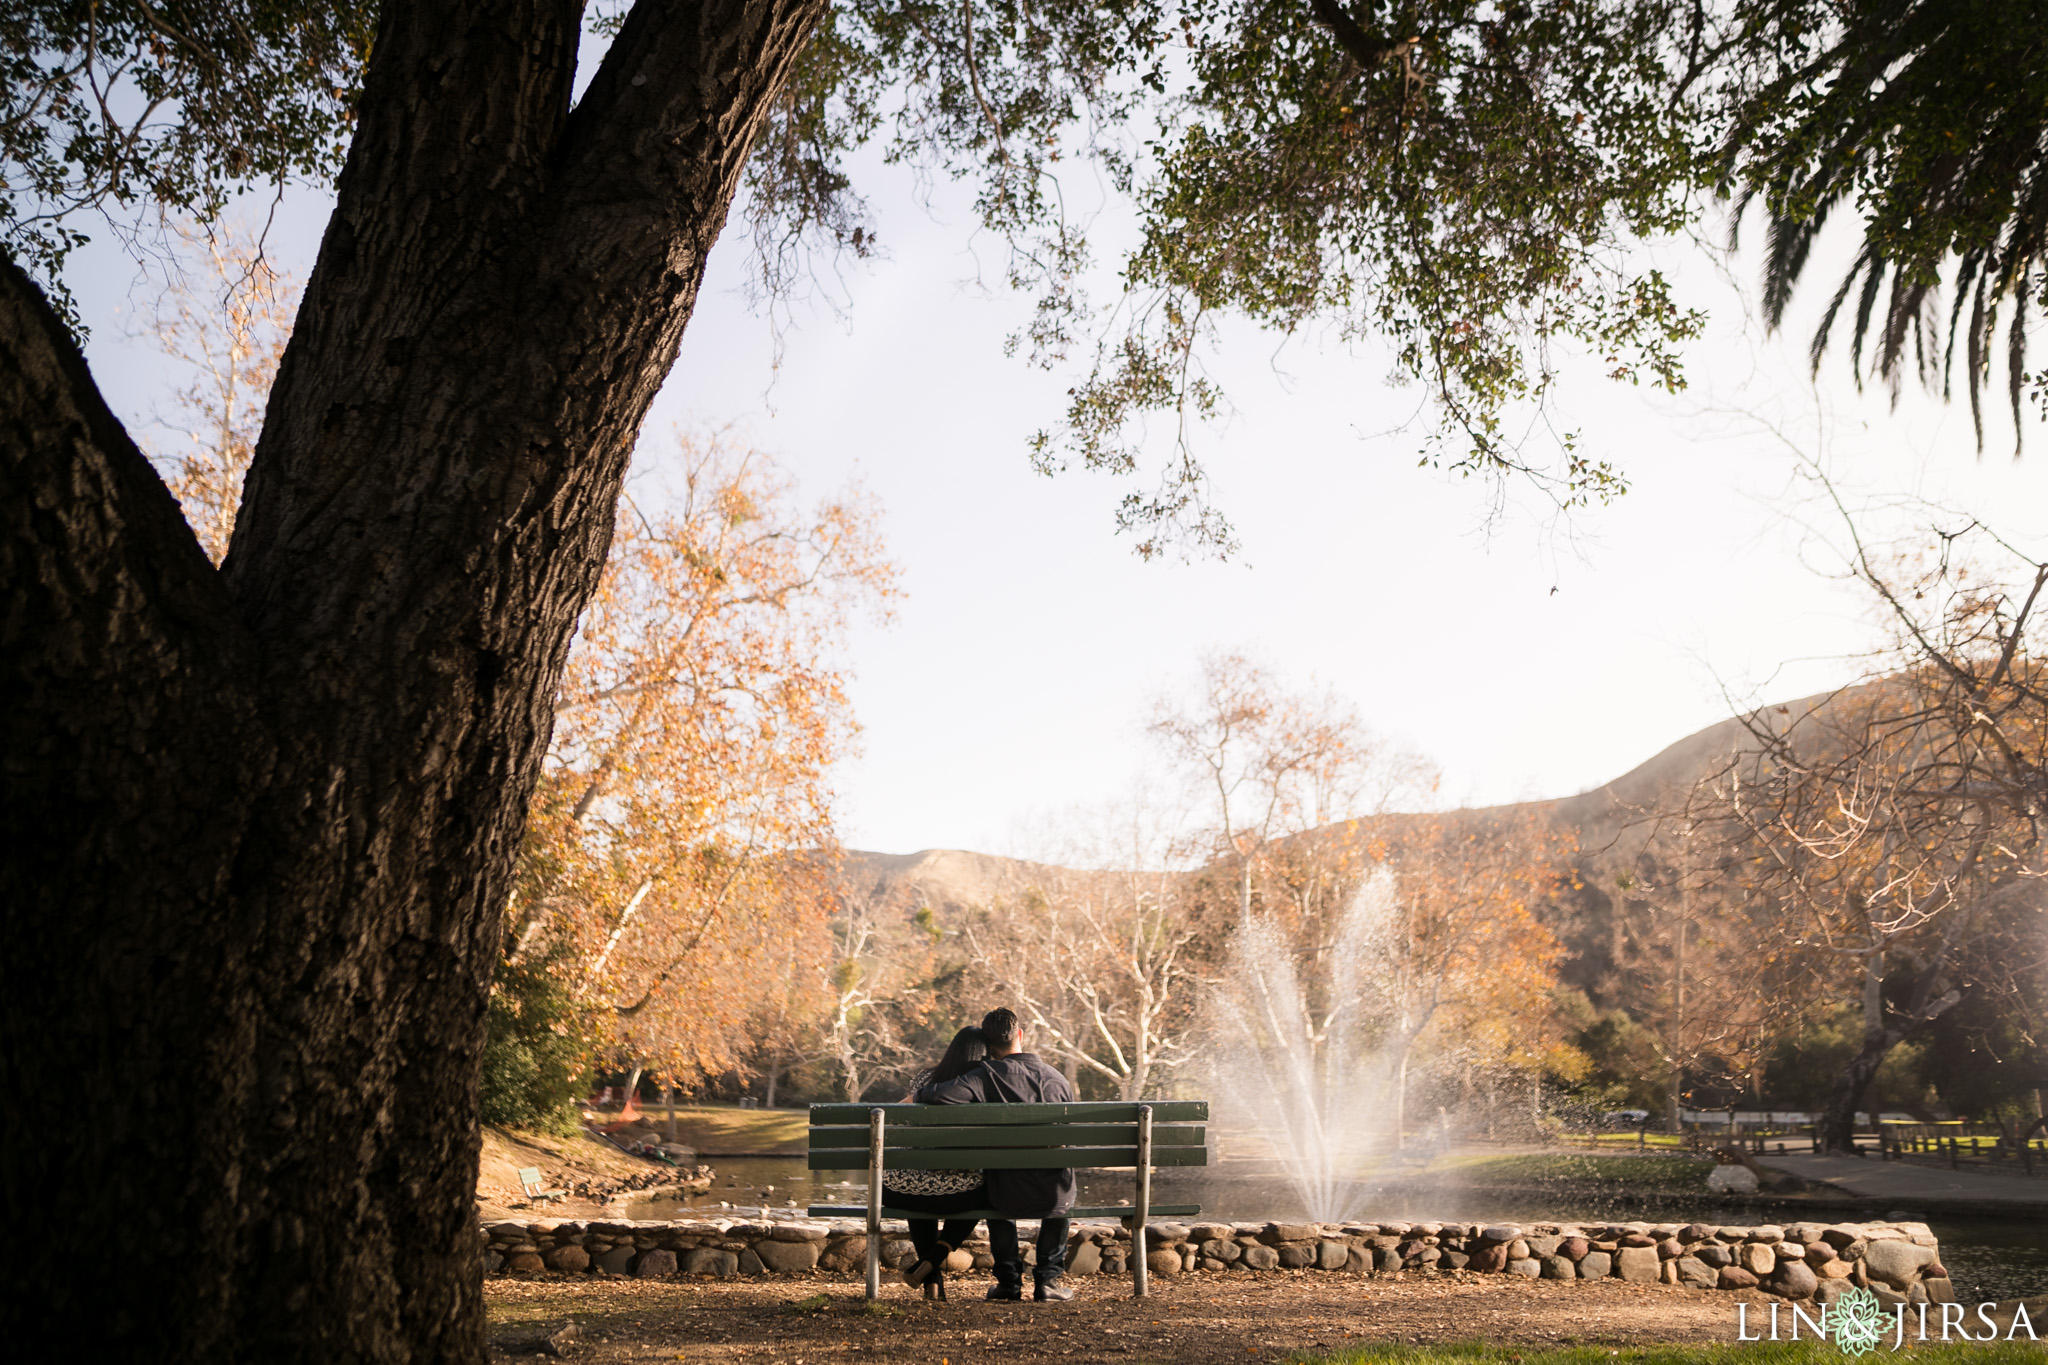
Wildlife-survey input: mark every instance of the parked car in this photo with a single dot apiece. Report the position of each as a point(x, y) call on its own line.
point(1624, 1118)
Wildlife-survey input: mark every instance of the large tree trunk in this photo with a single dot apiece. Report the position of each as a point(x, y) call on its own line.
point(1845, 1096)
point(260, 823)
point(1837, 1126)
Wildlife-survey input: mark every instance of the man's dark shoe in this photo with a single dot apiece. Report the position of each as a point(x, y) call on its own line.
point(1053, 1293)
point(1006, 1293)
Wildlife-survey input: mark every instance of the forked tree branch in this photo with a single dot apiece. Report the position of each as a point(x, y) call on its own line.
point(1365, 49)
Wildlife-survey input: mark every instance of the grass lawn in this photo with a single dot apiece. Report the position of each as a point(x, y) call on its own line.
point(1658, 1174)
point(1755, 1353)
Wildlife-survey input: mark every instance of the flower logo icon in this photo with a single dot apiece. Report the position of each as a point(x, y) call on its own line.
point(1858, 1322)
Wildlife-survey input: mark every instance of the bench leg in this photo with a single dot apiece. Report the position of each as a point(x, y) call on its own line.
point(875, 1117)
point(1140, 1270)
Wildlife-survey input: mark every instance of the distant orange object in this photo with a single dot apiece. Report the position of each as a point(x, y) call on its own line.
point(628, 1116)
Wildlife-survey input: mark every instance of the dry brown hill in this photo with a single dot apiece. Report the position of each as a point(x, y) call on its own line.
point(1609, 824)
point(1605, 817)
point(1611, 815)
point(949, 880)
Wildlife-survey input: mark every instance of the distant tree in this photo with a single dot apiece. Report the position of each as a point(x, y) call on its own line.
point(1470, 972)
point(1624, 1064)
point(782, 1029)
point(1699, 977)
point(682, 831)
point(880, 988)
point(1267, 763)
point(1896, 826)
point(1860, 888)
point(1296, 793)
point(1097, 955)
point(1808, 1057)
point(226, 312)
point(1988, 1056)
point(1987, 1059)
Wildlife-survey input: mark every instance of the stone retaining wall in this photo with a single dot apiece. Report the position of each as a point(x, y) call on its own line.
point(1900, 1261)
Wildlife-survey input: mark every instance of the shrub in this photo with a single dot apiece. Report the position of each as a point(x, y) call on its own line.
point(534, 1068)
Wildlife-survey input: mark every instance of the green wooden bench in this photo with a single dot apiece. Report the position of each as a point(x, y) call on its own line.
point(1013, 1137)
point(536, 1188)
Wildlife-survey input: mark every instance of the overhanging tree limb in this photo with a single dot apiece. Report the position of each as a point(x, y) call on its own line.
point(1365, 49)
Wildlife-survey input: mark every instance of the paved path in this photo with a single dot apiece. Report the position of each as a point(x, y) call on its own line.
point(1911, 1184)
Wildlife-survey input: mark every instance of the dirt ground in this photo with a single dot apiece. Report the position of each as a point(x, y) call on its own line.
point(564, 1160)
point(561, 1161)
point(1191, 1320)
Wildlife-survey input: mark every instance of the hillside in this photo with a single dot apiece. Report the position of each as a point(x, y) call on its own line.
point(1609, 816)
point(949, 880)
point(1608, 824)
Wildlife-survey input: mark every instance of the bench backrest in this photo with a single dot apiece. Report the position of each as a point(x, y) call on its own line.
point(529, 1178)
point(1035, 1137)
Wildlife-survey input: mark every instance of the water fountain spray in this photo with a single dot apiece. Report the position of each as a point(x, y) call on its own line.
point(1295, 1063)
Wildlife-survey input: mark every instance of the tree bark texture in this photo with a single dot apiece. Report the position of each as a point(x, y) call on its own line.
point(260, 822)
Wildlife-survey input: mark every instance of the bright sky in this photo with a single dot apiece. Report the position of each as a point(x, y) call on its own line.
point(1528, 660)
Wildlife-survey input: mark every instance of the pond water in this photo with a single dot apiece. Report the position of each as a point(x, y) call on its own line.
point(1989, 1258)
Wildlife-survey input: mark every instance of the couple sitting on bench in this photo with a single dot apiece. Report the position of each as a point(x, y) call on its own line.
point(987, 1065)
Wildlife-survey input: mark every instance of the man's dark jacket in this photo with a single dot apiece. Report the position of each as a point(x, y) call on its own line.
point(1019, 1078)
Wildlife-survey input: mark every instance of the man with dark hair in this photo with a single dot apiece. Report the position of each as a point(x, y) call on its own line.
point(1010, 1075)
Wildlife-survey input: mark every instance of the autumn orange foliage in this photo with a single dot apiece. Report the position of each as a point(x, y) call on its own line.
point(681, 835)
point(1478, 968)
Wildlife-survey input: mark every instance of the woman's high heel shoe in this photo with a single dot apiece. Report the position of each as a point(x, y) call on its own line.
point(925, 1270)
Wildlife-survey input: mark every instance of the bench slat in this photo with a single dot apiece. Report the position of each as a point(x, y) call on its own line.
point(1104, 1211)
point(943, 1115)
point(1004, 1159)
point(1013, 1135)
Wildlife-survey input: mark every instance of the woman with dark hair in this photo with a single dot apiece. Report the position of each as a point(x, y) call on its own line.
point(939, 1192)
